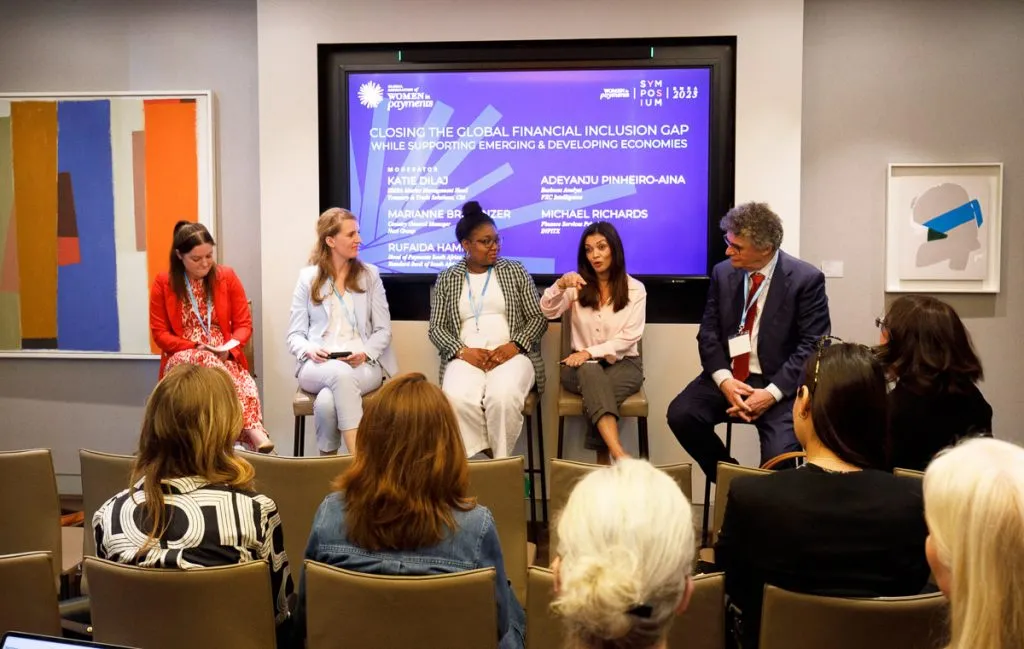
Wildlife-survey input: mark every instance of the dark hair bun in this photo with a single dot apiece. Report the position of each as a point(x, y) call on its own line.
point(472, 208)
point(180, 224)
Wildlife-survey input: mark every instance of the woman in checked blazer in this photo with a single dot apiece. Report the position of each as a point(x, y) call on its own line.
point(486, 323)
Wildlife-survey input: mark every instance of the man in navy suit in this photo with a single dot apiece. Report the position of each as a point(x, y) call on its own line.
point(765, 312)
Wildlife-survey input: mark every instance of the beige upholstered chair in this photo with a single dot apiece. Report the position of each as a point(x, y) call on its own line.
point(727, 472)
point(103, 476)
point(297, 485)
point(797, 621)
point(566, 473)
point(571, 405)
point(450, 611)
point(497, 485)
point(702, 624)
point(544, 629)
point(28, 598)
point(30, 506)
point(226, 607)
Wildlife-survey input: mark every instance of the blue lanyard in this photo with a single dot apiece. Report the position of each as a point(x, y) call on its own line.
point(344, 309)
point(749, 304)
point(475, 308)
point(195, 309)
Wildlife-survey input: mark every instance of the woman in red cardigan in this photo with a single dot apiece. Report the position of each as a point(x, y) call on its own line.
point(199, 314)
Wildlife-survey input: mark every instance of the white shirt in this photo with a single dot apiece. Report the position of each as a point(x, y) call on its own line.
point(755, 362)
point(491, 330)
point(341, 335)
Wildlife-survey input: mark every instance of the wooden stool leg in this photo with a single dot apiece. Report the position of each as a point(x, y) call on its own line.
point(707, 512)
point(298, 436)
point(543, 465)
point(529, 470)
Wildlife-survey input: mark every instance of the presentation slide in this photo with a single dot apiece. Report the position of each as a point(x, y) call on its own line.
point(545, 153)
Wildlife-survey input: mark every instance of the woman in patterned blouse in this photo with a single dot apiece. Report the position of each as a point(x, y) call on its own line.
point(191, 502)
point(486, 323)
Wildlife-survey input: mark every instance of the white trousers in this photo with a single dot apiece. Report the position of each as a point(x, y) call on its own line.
point(489, 405)
point(339, 390)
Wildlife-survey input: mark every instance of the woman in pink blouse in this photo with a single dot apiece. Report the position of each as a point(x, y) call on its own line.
point(608, 310)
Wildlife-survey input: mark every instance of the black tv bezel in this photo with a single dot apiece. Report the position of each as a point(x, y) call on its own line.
point(671, 299)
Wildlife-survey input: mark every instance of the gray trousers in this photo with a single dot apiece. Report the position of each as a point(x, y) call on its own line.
point(604, 388)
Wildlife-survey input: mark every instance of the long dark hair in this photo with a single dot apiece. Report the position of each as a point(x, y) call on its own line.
point(188, 235)
point(929, 349)
point(590, 295)
point(849, 406)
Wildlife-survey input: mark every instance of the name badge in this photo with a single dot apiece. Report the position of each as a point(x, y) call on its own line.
point(739, 345)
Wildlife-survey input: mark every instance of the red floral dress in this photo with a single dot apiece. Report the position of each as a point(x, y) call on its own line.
point(245, 386)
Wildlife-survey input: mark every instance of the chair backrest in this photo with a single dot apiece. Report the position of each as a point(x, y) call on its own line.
point(29, 505)
point(682, 473)
point(498, 486)
point(297, 485)
point(544, 629)
point(28, 595)
point(449, 611)
point(702, 624)
point(224, 607)
point(726, 473)
point(103, 476)
point(908, 473)
point(566, 473)
point(798, 621)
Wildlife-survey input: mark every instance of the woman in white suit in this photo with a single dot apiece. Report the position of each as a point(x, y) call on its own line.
point(340, 330)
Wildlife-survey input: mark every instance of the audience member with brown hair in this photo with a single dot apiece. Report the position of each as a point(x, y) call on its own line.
point(402, 508)
point(191, 503)
point(974, 505)
point(935, 400)
point(842, 524)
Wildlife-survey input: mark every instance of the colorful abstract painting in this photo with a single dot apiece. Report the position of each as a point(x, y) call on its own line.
point(943, 230)
point(90, 189)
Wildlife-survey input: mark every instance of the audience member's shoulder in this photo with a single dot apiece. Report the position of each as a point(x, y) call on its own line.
point(477, 519)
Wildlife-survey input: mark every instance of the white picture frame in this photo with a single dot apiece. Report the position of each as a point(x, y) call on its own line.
point(125, 117)
point(943, 231)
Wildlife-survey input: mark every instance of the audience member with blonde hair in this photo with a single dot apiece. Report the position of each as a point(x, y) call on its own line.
point(339, 330)
point(402, 508)
point(625, 554)
point(974, 506)
point(191, 502)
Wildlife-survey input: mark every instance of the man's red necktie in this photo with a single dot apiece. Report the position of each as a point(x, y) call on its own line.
point(741, 364)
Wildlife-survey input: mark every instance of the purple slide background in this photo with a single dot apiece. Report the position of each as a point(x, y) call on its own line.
point(671, 241)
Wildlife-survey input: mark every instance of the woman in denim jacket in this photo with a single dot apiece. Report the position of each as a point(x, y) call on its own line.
point(402, 508)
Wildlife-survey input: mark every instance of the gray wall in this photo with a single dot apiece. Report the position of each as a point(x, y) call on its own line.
point(69, 45)
point(935, 81)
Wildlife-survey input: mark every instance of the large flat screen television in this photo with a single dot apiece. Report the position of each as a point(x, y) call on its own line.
point(545, 152)
point(548, 137)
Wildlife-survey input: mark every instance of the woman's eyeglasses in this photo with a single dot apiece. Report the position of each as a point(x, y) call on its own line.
point(823, 343)
point(489, 242)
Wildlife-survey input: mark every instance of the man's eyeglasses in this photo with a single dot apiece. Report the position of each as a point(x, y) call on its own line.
point(881, 323)
point(730, 244)
point(489, 242)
